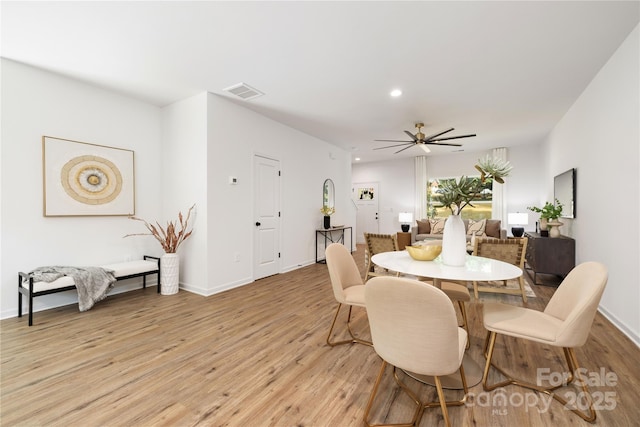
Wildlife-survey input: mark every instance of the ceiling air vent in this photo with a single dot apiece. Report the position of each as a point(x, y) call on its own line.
point(244, 91)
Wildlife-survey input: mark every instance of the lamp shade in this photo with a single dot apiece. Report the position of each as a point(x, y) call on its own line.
point(405, 217)
point(518, 218)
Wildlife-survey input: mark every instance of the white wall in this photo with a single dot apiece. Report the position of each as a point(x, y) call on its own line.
point(184, 175)
point(600, 137)
point(235, 135)
point(37, 103)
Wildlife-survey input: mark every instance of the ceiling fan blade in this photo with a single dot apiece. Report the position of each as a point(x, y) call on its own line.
point(393, 140)
point(405, 148)
point(412, 136)
point(435, 135)
point(443, 143)
point(454, 137)
point(397, 145)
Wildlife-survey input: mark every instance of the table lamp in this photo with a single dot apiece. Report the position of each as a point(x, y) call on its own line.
point(518, 219)
point(405, 219)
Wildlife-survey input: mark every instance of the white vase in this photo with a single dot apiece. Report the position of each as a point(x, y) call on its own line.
point(543, 224)
point(554, 228)
point(454, 242)
point(169, 274)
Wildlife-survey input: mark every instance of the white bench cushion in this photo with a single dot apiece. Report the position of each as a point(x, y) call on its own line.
point(62, 282)
point(131, 267)
point(120, 269)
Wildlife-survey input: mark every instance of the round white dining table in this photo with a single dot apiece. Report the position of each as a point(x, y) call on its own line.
point(475, 268)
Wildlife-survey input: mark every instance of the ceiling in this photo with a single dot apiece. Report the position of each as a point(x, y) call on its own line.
point(506, 71)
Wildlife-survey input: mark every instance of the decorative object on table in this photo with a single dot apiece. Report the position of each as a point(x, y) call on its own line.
point(427, 252)
point(170, 239)
point(554, 228)
point(518, 219)
point(328, 202)
point(456, 195)
point(82, 179)
point(549, 214)
point(405, 219)
point(326, 223)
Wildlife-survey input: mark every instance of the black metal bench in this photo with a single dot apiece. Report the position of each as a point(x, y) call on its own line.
point(122, 271)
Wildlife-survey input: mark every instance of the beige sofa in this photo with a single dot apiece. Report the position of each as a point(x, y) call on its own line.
point(426, 229)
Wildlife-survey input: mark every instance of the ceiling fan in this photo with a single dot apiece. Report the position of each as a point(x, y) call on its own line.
point(422, 141)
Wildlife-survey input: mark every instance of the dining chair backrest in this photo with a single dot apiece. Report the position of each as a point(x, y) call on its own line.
point(575, 302)
point(343, 270)
point(413, 325)
point(378, 243)
point(512, 251)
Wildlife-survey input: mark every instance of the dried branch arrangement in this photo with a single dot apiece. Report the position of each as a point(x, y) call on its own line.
point(170, 237)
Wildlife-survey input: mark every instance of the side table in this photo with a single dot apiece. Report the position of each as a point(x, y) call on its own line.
point(333, 235)
point(404, 240)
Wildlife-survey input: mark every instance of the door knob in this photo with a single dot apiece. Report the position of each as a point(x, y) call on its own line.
point(258, 224)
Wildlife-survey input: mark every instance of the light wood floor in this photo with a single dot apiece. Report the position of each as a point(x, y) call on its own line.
point(256, 356)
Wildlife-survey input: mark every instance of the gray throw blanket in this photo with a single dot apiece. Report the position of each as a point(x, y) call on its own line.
point(92, 283)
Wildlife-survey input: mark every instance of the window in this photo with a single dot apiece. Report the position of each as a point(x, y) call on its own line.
point(481, 206)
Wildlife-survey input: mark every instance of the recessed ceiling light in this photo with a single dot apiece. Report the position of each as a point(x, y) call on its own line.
point(396, 93)
point(357, 159)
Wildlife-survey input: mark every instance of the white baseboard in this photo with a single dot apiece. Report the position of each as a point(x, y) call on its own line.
point(632, 335)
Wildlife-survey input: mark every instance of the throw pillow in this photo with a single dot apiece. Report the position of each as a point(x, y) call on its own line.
point(437, 225)
point(423, 226)
point(492, 228)
point(477, 228)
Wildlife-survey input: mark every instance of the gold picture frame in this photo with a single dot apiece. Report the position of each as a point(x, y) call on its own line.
point(83, 179)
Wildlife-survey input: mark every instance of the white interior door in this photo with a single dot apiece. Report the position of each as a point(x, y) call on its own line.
point(365, 196)
point(266, 239)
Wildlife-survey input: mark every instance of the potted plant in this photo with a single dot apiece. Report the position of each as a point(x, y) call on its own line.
point(327, 212)
point(460, 193)
point(170, 238)
point(550, 210)
point(549, 215)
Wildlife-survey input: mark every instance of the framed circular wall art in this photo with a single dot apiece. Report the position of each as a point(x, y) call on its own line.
point(82, 179)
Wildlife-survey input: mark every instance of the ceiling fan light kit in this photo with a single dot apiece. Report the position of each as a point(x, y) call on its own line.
point(422, 141)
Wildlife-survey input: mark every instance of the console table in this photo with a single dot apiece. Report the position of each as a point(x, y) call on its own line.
point(332, 235)
point(550, 255)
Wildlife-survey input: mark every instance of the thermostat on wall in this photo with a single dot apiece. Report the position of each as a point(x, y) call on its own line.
point(233, 180)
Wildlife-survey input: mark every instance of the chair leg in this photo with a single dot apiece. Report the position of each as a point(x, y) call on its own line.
point(572, 363)
point(353, 340)
point(465, 323)
point(419, 407)
point(443, 403)
point(524, 293)
point(475, 289)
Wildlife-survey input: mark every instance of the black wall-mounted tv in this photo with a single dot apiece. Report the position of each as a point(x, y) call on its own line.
point(564, 189)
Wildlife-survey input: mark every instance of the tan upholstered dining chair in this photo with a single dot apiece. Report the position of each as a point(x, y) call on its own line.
point(348, 288)
point(512, 251)
point(565, 322)
point(375, 244)
point(414, 328)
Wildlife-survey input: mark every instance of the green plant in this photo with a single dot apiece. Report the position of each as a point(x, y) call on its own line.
point(169, 238)
point(326, 210)
point(549, 210)
point(457, 194)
